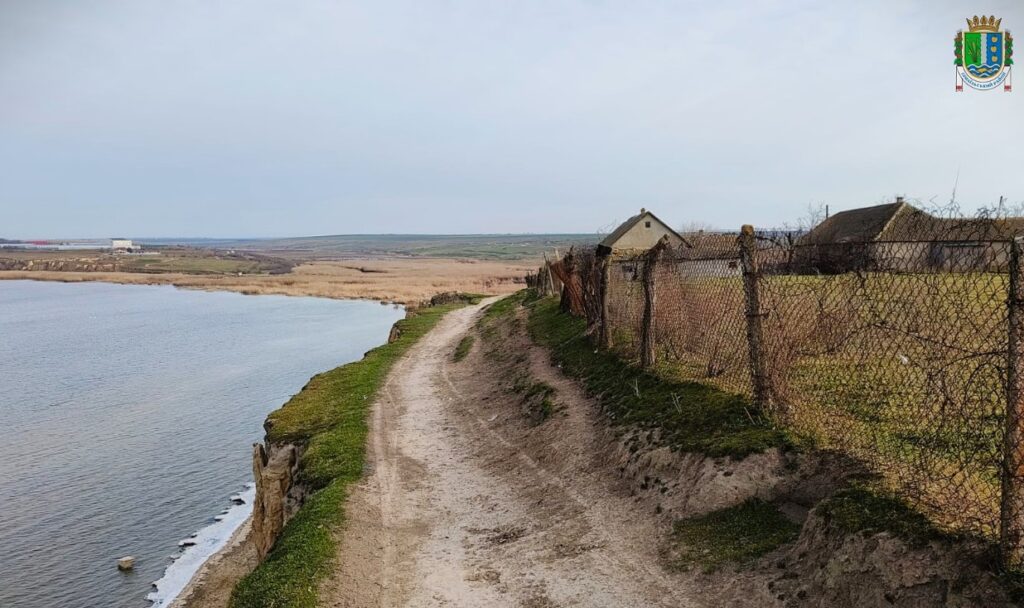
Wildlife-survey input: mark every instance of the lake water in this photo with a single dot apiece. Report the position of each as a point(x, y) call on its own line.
point(127, 415)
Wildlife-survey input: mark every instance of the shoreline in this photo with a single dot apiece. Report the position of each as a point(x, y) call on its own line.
point(210, 541)
point(213, 581)
point(151, 280)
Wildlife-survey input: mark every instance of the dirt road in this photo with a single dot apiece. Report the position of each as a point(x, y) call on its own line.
point(467, 505)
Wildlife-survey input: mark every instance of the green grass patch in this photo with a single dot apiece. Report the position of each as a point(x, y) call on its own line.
point(195, 264)
point(691, 417)
point(538, 397)
point(328, 416)
point(735, 535)
point(861, 509)
point(465, 345)
point(503, 308)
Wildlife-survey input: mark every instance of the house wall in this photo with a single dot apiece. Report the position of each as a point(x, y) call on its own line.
point(902, 257)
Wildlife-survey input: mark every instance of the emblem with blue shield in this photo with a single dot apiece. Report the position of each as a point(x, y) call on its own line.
point(984, 55)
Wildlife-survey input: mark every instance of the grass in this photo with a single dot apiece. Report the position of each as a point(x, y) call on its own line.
point(328, 416)
point(861, 509)
point(538, 397)
point(465, 345)
point(691, 417)
point(736, 534)
point(193, 265)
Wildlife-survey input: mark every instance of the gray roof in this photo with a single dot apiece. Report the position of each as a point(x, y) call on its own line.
point(901, 221)
point(855, 225)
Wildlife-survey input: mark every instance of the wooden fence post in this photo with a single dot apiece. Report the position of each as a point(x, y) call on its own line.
point(1011, 508)
point(605, 337)
point(755, 332)
point(549, 282)
point(647, 355)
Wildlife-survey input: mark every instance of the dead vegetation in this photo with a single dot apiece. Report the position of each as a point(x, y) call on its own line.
point(407, 281)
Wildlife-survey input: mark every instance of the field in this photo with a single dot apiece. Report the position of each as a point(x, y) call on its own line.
point(407, 281)
point(394, 268)
point(165, 260)
point(471, 246)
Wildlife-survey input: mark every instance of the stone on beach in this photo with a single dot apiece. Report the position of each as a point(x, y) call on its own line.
point(126, 563)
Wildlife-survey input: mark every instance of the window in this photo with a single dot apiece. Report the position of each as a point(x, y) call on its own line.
point(647, 224)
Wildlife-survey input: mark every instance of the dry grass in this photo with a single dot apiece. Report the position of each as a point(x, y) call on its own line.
point(401, 280)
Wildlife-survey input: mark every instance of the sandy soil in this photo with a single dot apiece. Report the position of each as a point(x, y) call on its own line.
point(395, 280)
point(212, 585)
point(467, 505)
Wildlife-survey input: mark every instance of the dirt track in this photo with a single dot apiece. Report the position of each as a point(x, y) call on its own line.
point(465, 506)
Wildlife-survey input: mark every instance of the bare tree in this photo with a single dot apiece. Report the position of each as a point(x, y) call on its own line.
point(814, 215)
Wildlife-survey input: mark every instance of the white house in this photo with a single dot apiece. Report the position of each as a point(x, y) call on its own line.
point(639, 233)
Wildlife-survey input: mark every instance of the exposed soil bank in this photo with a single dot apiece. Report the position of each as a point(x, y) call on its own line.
point(278, 497)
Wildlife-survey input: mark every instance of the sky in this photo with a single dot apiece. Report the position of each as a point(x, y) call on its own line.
point(252, 118)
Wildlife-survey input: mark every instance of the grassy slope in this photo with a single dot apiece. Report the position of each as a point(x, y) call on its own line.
point(329, 417)
point(737, 534)
point(689, 416)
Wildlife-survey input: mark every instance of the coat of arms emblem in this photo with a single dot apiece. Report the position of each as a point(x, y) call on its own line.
point(984, 55)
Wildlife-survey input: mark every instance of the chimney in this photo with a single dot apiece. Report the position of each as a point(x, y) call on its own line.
point(899, 199)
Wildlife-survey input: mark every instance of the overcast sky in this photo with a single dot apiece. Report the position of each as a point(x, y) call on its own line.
point(284, 118)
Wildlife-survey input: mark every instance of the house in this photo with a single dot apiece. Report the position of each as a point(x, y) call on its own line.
point(638, 234)
point(122, 246)
point(900, 237)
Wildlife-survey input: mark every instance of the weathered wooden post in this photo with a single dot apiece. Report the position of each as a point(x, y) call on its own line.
point(755, 332)
point(570, 286)
point(605, 337)
point(548, 288)
point(647, 355)
point(1011, 511)
point(556, 282)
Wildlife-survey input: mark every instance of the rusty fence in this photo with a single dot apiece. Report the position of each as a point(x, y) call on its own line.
point(906, 355)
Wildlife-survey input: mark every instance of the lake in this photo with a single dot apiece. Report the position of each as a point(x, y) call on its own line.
point(127, 415)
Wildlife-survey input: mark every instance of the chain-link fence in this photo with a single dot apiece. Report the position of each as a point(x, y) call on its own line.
point(896, 353)
point(900, 353)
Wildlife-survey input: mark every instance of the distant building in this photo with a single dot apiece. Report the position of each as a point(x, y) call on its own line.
point(639, 233)
point(123, 246)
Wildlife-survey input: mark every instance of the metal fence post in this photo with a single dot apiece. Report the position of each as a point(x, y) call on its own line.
point(605, 337)
point(647, 356)
point(755, 333)
point(1011, 511)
